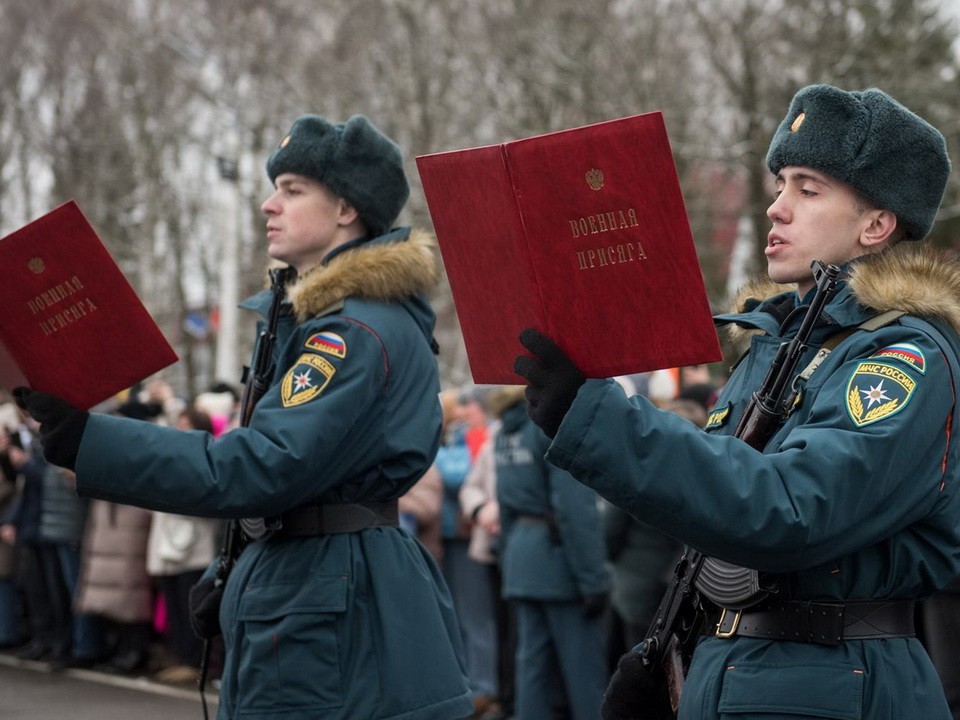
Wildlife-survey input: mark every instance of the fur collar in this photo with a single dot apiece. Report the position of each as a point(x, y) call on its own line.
point(386, 271)
point(755, 291)
point(920, 282)
point(917, 280)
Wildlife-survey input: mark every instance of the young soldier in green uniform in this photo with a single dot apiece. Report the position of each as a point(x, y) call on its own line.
point(852, 510)
point(552, 560)
point(339, 614)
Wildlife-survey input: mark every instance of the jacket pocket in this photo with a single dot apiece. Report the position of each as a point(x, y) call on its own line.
point(289, 646)
point(787, 692)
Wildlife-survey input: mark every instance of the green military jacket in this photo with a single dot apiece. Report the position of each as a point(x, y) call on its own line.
point(551, 539)
point(857, 496)
point(339, 627)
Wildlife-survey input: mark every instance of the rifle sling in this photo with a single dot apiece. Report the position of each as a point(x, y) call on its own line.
point(874, 323)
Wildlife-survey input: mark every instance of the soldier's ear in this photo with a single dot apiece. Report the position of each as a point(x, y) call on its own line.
point(348, 213)
point(879, 229)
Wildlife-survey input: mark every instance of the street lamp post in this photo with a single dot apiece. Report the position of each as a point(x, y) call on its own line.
point(227, 365)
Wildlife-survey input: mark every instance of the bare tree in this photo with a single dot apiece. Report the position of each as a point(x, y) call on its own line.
point(763, 52)
point(128, 106)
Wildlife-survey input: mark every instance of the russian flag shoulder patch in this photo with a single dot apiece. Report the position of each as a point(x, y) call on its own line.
point(904, 352)
point(329, 343)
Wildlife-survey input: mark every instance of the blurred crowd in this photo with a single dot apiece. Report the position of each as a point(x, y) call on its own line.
point(550, 583)
point(94, 584)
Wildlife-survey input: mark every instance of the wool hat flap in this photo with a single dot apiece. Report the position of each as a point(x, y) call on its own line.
point(354, 159)
point(868, 140)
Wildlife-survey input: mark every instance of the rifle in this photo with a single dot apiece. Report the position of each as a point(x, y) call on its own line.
point(256, 380)
point(669, 642)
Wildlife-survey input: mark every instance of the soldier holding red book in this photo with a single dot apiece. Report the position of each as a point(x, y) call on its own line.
point(331, 611)
point(851, 511)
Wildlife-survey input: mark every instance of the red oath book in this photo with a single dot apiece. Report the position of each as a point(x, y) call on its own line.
point(581, 234)
point(71, 324)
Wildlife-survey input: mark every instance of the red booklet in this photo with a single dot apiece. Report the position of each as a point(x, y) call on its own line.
point(71, 324)
point(581, 234)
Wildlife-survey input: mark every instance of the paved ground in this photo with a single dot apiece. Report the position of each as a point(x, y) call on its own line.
point(30, 691)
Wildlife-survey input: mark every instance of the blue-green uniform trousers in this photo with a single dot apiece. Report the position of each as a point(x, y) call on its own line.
point(856, 496)
point(351, 626)
point(552, 557)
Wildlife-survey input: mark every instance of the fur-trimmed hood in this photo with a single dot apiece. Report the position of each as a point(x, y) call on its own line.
point(921, 283)
point(917, 281)
point(380, 269)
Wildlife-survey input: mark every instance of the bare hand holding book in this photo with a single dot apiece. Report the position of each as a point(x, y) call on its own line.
point(72, 325)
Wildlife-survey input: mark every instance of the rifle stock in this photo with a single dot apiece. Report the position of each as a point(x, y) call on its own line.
point(757, 425)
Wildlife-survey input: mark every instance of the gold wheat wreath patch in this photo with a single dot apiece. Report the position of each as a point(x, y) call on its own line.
point(305, 380)
point(877, 390)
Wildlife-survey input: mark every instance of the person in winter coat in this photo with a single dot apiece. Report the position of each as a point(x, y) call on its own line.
point(113, 588)
point(62, 521)
point(48, 526)
point(179, 549)
point(10, 610)
point(940, 617)
point(420, 510)
point(852, 509)
point(468, 580)
point(552, 560)
point(46, 601)
point(489, 613)
point(113, 585)
point(337, 614)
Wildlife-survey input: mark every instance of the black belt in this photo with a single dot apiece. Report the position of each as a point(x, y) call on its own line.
point(336, 518)
point(824, 623)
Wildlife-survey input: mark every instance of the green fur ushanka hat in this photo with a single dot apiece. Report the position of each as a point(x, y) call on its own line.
point(868, 140)
point(354, 159)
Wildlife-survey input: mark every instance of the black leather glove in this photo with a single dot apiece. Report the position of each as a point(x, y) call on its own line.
point(593, 605)
point(61, 425)
point(552, 380)
point(204, 600)
point(636, 693)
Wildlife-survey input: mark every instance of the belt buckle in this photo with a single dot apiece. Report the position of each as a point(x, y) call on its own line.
point(721, 631)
